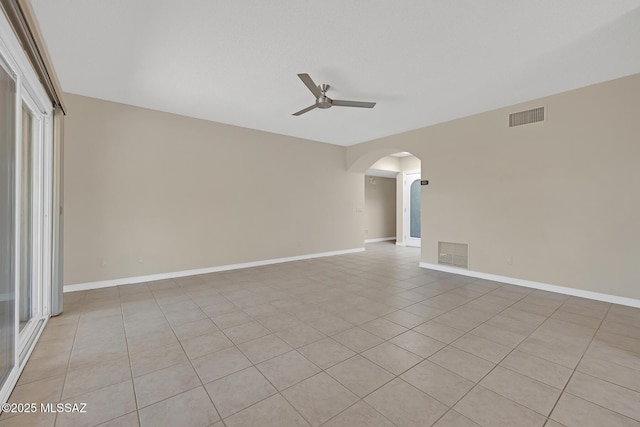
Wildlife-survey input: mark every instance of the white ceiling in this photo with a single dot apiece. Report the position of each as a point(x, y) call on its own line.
point(422, 61)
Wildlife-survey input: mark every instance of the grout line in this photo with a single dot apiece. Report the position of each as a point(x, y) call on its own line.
point(409, 368)
point(185, 352)
point(278, 392)
point(595, 332)
point(250, 283)
point(73, 345)
point(477, 383)
point(633, 420)
point(514, 348)
point(293, 406)
point(126, 341)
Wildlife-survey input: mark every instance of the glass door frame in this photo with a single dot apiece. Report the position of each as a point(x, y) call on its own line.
point(407, 178)
point(31, 94)
point(40, 248)
point(8, 290)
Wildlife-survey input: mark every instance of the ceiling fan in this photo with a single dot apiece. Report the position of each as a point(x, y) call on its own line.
point(323, 101)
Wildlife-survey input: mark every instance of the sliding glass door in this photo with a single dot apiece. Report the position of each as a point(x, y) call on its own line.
point(26, 209)
point(7, 228)
point(26, 219)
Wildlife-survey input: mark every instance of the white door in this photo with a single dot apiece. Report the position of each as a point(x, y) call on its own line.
point(411, 200)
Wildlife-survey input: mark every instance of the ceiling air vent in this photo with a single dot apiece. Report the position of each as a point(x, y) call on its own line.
point(526, 117)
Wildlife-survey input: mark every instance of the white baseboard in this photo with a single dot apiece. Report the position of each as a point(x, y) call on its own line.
point(174, 274)
point(535, 285)
point(400, 243)
point(380, 239)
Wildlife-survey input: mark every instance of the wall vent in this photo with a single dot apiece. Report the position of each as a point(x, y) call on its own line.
point(526, 117)
point(455, 254)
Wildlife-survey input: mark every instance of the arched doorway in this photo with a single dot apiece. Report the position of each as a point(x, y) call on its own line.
point(403, 169)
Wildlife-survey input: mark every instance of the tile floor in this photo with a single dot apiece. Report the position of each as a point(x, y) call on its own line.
point(366, 339)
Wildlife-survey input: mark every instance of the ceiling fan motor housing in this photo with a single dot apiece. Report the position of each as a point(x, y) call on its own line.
point(324, 101)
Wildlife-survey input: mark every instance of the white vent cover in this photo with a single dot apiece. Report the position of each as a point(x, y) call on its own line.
point(455, 254)
point(526, 117)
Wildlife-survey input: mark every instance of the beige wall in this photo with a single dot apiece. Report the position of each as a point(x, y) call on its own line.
point(559, 199)
point(379, 207)
point(149, 192)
